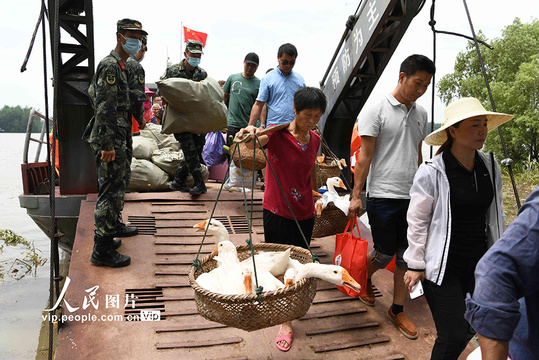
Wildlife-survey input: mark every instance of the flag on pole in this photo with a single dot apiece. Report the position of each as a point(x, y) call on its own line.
point(190, 34)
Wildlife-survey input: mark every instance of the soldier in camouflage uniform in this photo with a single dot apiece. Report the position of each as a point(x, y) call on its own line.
point(136, 81)
point(191, 144)
point(109, 135)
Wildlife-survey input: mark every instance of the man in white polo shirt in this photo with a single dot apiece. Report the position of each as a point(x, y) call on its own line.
point(392, 131)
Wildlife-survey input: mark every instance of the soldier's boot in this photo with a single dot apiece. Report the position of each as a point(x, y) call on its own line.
point(116, 243)
point(123, 230)
point(200, 187)
point(104, 253)
point(179, 181)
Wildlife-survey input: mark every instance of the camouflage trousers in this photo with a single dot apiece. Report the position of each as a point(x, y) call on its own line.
point(191, 145)
point(112, 179)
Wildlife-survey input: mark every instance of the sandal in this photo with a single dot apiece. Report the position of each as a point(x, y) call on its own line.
point(286, 338)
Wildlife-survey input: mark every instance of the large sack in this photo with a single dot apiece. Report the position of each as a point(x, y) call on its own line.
point(153, 131)
point(146, 176)
point(193, 106)
point(168, 160)
point(143, 147)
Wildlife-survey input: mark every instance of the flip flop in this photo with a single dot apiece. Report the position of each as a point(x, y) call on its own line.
point(282, 337)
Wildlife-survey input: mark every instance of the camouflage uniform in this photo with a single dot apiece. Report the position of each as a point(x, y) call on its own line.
point(191, 144)
point(137, 95)
point(110, 130)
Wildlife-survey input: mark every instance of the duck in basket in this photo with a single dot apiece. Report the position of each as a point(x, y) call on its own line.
point(332, 196)
point(273, 269)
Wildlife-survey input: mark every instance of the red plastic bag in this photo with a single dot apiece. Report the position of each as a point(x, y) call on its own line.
point(351, 254)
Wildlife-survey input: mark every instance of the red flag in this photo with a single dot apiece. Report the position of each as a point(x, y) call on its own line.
point(190, 34)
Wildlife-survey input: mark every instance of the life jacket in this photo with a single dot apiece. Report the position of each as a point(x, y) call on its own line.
point(355, 145)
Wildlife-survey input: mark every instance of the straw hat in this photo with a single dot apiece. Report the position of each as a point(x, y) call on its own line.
point(463, 109)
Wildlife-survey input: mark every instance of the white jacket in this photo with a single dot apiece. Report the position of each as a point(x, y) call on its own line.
point(429, 217)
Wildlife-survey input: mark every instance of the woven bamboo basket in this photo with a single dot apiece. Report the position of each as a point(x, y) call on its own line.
point(247, 157)
point(331, 222)
point(247, 312)
point(325, 171)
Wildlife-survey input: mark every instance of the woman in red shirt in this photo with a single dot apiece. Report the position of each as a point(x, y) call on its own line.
point(291, 153)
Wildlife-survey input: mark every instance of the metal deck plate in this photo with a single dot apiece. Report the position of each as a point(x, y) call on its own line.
point(335, 327)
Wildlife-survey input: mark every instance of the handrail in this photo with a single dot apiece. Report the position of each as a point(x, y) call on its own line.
point(349, 26)
point(29, 137)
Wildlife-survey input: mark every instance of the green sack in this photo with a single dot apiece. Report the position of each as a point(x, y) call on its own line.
point(193, 106)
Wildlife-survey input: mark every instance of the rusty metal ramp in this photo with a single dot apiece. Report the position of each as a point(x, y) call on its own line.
point(110, 313)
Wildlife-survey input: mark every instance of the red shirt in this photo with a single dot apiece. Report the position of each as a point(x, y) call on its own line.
point(292, 163)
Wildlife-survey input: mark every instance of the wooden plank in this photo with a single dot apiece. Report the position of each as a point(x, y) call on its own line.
point(342, 328)
point(234, 340)
point(183, 273)
point(372, 341)
point(175, 285)
point(178, 252)
point(186, 262)
point(179, 313)
point(333, 300)
point(190, 328)
point(187, 242)
point(332, 313)
point(175, 298)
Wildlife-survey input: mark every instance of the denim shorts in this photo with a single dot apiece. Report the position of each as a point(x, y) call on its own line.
point(387, 218)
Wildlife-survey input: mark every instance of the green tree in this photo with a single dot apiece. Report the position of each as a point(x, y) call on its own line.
point(15, 119)
point(512, 69)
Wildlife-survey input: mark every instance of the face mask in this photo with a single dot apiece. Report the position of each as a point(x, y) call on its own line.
point(193, 61)
point(147, 104)
point(132, 46)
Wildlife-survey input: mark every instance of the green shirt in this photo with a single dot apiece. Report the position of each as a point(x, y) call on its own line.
point(242, 93)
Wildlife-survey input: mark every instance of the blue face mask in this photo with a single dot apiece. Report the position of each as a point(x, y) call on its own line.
point(193, 61)
point(132, 46)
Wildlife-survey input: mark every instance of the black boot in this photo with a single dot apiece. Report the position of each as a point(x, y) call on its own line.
point(116, 243)
point(123, 230)
point(105, 255)
point(200, 187)
point(179, 181)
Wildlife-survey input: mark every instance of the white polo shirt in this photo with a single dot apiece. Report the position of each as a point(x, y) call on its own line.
point(398, 132)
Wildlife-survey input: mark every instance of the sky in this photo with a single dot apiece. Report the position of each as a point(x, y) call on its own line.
point(236, 28)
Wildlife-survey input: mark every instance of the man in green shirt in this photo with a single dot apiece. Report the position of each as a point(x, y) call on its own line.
point(241, 90)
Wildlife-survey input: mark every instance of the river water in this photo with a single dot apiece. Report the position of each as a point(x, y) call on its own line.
point(21, 301)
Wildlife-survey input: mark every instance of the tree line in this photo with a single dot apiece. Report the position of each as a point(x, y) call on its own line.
point(512, 69)
point(14, 119)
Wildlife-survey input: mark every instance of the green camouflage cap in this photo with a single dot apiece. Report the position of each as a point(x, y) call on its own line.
point(194, 47)
point(130, 24)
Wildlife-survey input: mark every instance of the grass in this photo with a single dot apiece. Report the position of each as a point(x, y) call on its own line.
point(526, 180)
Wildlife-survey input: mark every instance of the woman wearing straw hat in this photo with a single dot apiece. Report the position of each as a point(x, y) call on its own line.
point(455, 214)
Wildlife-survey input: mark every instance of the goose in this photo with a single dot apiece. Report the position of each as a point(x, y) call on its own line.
point(334, 274)
point(331, 196)
point(226, 277)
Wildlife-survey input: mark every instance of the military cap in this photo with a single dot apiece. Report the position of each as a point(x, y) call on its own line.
point(129, 24)
point(194, 47)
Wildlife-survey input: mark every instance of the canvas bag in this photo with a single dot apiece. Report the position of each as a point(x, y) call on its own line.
point(351, 254)
point(196, 107)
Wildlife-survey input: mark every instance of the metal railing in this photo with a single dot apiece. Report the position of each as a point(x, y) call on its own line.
point(40, 141)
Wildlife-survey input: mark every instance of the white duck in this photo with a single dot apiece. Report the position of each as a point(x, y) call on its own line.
point(331, 196)
point(334, 274)
point(226, 278)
